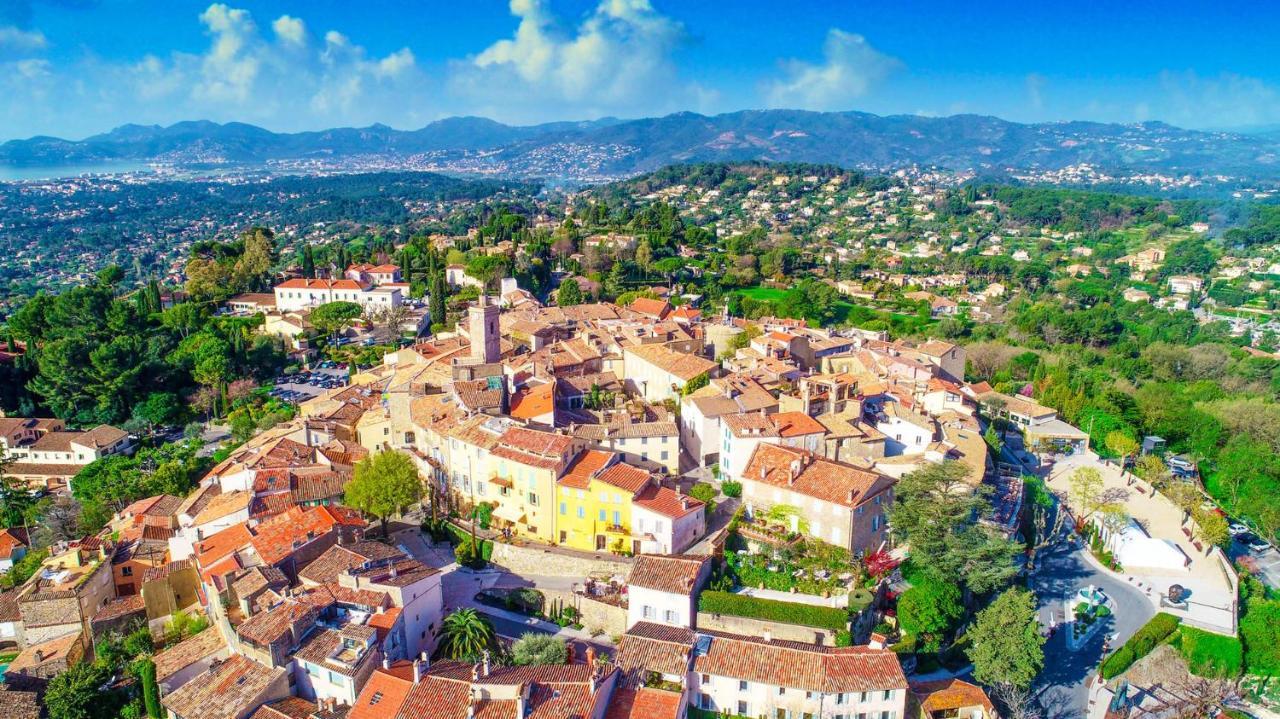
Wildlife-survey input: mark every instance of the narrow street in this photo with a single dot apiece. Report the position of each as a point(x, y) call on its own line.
point(1063, 687)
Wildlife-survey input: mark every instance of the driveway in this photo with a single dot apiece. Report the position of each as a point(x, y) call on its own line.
point(1062, 570)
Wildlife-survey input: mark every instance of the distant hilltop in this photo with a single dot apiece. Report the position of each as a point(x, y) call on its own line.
point(612, 148)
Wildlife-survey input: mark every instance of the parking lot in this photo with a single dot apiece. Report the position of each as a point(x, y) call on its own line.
point(304, 385)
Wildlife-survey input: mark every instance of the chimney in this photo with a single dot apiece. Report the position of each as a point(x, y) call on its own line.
point(486, 663)
point(417, 671)
point(426, 661)
point(386, 662)
point(591, 656)
point(471, 709)
point(767, 636)
point(878, 641)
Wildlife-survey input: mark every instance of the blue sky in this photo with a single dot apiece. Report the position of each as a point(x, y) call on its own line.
point(71, 68)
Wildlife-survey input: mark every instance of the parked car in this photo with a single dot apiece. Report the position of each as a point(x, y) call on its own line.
point(1179, 462)
point(1237, 529)
point(1258, 544)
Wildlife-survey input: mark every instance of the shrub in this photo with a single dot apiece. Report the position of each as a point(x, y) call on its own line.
point(1260, 631)
point(538, 649)
point(1140, 644)
point(769, 610)
point(465, 553)
point(731, 488)
point(703, 492)
point(844, 638)
point(1211, 655)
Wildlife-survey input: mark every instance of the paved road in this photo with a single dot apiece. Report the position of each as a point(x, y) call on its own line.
point(1064, 683)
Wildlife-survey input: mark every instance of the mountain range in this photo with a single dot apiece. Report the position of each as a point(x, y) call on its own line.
point(611, 147)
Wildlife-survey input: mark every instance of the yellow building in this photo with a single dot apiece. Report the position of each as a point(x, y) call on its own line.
point(523, 467)
point(594, 502)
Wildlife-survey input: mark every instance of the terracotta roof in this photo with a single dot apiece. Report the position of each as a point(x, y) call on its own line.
point(667, 501)
point(834, 482)
point(645, 703)
point(556, 692)
point(188, 652)
point(306, 284)
point(653, 308)
point(750, 424)
point(265, 628)
point(680, 364)
point(224, 505)
point(656, 648)
point(320, 644)
point(15, 704)
point(544, 450)
point(225, 692)
point(54, 651)
point(341, 557)
point(384, 692)
point(287, 708)
point(799, 665)
point(666, 573)
point(950, 694)
point(625, 477)
point(120, 607)
point(796, 424)
point(154, 574)
point(278, 537)
point(532, 402)
point(587, 464)
point(11, 539)
point(9, 611)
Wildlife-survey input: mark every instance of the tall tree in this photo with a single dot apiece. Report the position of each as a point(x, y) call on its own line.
point(570, 293)
point(383, 484)
point(467, 635)
point(1006, 646)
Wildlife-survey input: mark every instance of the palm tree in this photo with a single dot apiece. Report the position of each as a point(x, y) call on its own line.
point(467, 634)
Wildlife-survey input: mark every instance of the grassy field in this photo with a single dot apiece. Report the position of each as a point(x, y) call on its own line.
point(767, 294)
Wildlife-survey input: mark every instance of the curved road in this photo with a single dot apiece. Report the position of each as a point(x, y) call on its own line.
point(1063, 686)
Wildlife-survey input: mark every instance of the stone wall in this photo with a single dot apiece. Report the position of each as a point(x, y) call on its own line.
point(595, 614)
point(554, 562)
point(758, 627)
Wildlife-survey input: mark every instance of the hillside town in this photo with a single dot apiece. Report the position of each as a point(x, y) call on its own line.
point(656, 460)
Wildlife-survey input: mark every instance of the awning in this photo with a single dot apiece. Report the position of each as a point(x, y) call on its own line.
point(501, 482)
point(509, 513)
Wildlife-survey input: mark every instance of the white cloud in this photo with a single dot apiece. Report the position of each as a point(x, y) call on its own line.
point(617, 60)
point(290, 30)
point(280, 76)
point(16, 41)
point(850, 68)
point(1035, 91)
point(1227, 100)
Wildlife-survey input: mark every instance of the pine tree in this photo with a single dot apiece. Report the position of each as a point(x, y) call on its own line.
point(438, 298)
point(308, 262)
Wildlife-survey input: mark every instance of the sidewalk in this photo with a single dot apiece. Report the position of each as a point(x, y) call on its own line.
point(1212, 591)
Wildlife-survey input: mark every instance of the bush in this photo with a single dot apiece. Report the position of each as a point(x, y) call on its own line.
point(539, 649)
point(1211, 655)
point(731, 488)
point(1260, 631)
point(1140, 644)
point(844, 638)
point(465, 554)
point(705, 493)
point(739, 605)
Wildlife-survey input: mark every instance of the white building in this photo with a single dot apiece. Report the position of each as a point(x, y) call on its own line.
point(907, 431)
point(659, 373)
point(299, 294)
point(664, 589)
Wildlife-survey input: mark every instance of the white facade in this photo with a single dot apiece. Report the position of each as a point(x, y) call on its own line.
point(750, 698)
point(297, 295)
point(904, 437)
point(652, 605)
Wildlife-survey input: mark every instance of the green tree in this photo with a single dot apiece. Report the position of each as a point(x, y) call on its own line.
point(1260, 630)
point(75, 693)
point(1122, 444)
point(466, 635)
point(534, 649)
point(383, 484)
point(936, 512)
point(570, 293)
point(928, 609)
point(333, 317)
point(150, 690)
point(1085, 488)
point(1211, 528)
point(1005, 644)
point(438, 300)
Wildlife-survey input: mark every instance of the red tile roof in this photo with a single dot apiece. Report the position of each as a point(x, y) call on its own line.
point(671, 574)
point(799, 665)
point(586, 465)
point(823, 479)
point(533, 402)
point(667, 501)
point(625, 477)
point(305, 284)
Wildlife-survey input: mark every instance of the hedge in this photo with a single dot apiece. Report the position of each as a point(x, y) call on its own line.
point(1211, 655)
point(770, 610)
point(461, 536)
point(1140, 644)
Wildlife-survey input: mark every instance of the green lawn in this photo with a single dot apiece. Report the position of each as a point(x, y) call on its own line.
point(768, 294)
